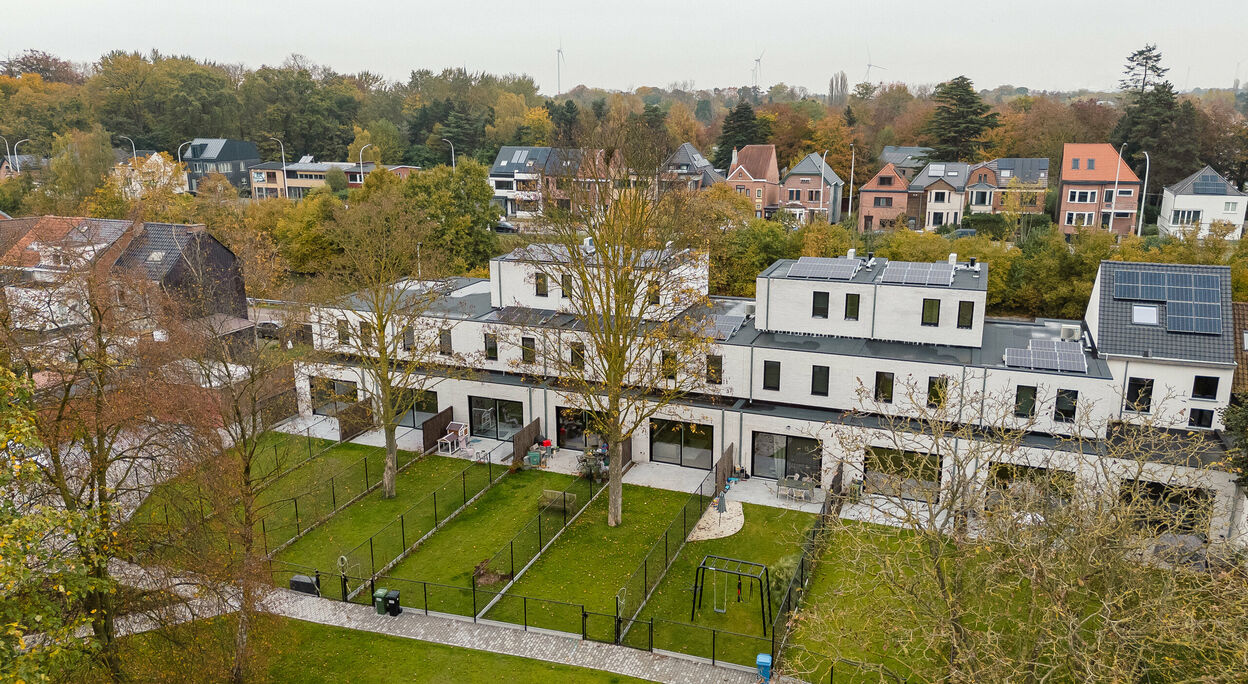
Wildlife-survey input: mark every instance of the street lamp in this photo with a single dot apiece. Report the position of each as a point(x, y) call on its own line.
point(823, 168)
point(448, 142)
point(285, 186)
point(7, 154)
point(362, 163)
point(853, 156)
point(1113, 202)
point(134, 153)
point(17, 160)
point(188, 142)
point(1139, 226)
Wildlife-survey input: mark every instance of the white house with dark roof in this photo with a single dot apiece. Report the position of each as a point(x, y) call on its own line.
point(938, 194)
point(1199, 200)
point(686, 167)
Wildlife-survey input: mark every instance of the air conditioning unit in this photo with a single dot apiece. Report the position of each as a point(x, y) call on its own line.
point(1071, 333)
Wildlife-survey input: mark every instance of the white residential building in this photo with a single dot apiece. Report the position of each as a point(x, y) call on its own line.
point(794, 369)
point(1199, 200)
point(941, 192)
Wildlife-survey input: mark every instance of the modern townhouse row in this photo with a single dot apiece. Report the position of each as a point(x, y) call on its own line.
point(833, 350)
point(943, 193)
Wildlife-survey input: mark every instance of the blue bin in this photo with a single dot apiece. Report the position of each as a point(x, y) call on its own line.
point(764, 665)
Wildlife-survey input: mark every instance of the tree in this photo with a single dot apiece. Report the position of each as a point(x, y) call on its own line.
point(1143, 69)
point(80, 163)
point(362, 139)
point(1168, 129)
point(838, 90)
point(625, 258)
point(47, 66)
point(683, 126)
point(336, 179)
point(741, 128)
point(959, 122)
point(458, 202)
point(387, 139)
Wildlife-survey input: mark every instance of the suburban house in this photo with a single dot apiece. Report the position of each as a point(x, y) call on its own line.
point(147, 172)
point(830, 350)
point(689, 169)
point(1199, 200)
point(811, 189)
point(882, 199)
point(516, 178)
point(1096, 182)
point(11, 165)
point(1007, 184)
point(296, 180)
point(230, 158)
point(755, 174)
point(907, 159)
point(937, 194)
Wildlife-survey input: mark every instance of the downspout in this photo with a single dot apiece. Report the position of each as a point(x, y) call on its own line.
point(750, 395)
point(1126, 377)
point(875, 296)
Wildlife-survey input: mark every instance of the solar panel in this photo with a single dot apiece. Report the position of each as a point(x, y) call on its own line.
point(917, 274)
point(1054, 355)
point(1209, 184)
point(895, 272)
point(726, 326)
point(823, 268)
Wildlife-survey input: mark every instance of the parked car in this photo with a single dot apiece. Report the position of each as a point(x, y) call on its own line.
point(961, 233)
point(268, 330)
point(505, 227)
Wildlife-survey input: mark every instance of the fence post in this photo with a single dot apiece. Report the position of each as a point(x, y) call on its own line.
point(372, 564)
point(651, 640)
point(584, 617)
point(372, 589)
point(403, 532)
point(343, 577)
point(264, 534)
point(713, 633)
point(298, 530)
point(473, 581)
point(333, 494)
point(617, 621)
point(525, 600)
point(424, 586)
point(435, 508)
point(512, 544)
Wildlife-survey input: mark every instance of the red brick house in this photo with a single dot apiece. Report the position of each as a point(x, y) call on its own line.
point(882, 199)
point(1095, 181)
point(755, 173)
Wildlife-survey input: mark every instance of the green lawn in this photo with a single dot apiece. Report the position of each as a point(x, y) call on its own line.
point(296, 651)
point(589, 563)
point(771, 536)
point(353, 525)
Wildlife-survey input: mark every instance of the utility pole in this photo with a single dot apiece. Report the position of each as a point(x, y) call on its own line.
point(853, 156)
point(16, 159)
point(448, 142)
point(362, 163)
point(1113, 202)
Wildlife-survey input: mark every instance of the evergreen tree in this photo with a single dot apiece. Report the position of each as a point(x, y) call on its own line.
point(1143, 68)
point(1169, 130)
point(960, 121)
point(703, 111)
point(850, 119)
point(741, 128)
point(599, 107)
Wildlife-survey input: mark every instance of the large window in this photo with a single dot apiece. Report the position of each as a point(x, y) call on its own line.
point(931, 312)
point(1065, 406)
point(966, 315)
point(577, 429)
point(494, 418)
point(819, 381)
point(1185, 217)
point(542, 284)
point(776, 456)
point(884, 202)
point(937, 391)
point(1158, 507)
point(851, 306)
point(884, 387)
point(1200, 418)
point(714, 369)
point(1081, 196)
point(1019, 487)
point(528, 350)
point(685, 444)
point(416, 406)
point(1139, 395)
point(330, 396)
point(905, 474)
point(1205, 387)
point(819, 305)
point(1025, 401)
point(491, 347)
point(771, 375)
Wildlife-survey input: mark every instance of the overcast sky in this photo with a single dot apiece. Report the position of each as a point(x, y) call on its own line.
point(1053, 45)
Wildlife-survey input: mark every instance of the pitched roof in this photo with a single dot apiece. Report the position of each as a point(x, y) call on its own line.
point(904, 156)
point(811, 165)
point(953, 173)
point(1240, 316)
point(1119, 334)
point(1205, 182)
point(757, 160)
point(1103, 156)
point(891, 171)
point(157, 249)
point(1025, 169)
point(687, 154)
point(513, 159)
point(17, 235)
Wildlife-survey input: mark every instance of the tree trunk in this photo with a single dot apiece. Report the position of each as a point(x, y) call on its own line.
point(615, 485)
point(392, 461)
point(100, 601)
point(238, 670)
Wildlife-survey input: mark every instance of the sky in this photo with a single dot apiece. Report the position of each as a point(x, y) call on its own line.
point(1051, 45)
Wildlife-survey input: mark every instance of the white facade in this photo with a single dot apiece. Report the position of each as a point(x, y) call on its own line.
point(1180, 213)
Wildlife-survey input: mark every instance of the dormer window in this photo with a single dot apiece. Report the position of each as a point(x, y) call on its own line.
point(155, 257)
point(1074, 164)
point(886, 181)
point(1144, 314)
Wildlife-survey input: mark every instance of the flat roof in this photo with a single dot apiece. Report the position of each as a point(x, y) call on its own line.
point(872, 273)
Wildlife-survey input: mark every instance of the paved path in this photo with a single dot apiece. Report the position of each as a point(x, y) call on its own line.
point(496, 639)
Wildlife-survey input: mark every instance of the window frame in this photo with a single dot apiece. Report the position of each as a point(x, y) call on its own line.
point(1206, 396)
point(541, 285)
point(966, 311)
point(445, 342)
point(491, 346)
point(1206, 418)
point(934, 321)
point(820, 309)
point(714, 369)
point(816, 382)
point(884, 387)
point(856, 298)
point(1031, 404)
point(1139, 395)
point(528, 350)
point(771, 375)
point(1060, 414)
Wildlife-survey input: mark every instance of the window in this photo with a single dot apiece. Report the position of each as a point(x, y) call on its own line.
point(931, 312)
point(543, 287)
point(742, 191)
point(813, 196)
point(938, 196)
point(577, 358)
point(565, 285)
point(819, 306)
point(714, 369)
point(685, 444)
point(771, 375)
point(577, 428)
point(1205, 387)
point(1125, 192)
point(444, 343)
point(1025, 401)
point(1091, 164)
point(652, 294)
point(1081, 196)
point(491, 347)
point(330, 396)
point(528, 349)
point(851, 306)
point(1064, 408)
point(414, 407)
point(409, 338)
point(1074, 163)
point(884, 202)
point(981, 198)
point(938, 218)
point(1139, 395)
point(795, 194)
point(1182, 217)
point(494, 418)
point(905, 474)
point(758, 192)
point(884, 387)
point(937, 391)
point(936, 170)
point(366, 334)
point(1201, 418)
point(885, 181)
point(1246, 340)
point(344, 332)
point(1144, 314)
point(966, 315)
point(819, 381)
point(668, 364)
point(1230, 206)
point(775, 456)
point(1080, 218)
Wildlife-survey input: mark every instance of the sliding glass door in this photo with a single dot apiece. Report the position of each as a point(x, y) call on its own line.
point(494, 418)
point(685, 444)
point(776, 456)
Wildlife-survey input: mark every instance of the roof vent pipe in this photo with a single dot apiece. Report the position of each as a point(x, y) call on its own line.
point(973, 262)
point(851, 253)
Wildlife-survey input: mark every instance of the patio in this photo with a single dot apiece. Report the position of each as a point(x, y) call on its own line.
point(321, 427)
point(757, 490)
point(665, 476)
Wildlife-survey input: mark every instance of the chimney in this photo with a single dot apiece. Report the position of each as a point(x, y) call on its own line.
point(734, 158)
point(972, 262)
point(851, 253)
point(953, 258)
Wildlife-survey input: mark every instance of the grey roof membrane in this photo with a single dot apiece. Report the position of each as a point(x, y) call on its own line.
point(904, 156)
point(1117, 333)
point(157, 249)
point(963, 278)
point(810, 165)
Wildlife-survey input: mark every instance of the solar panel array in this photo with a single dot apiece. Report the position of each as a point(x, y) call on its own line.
point(1066, 357)
point(918, 273)
point(1209, 184)
point(1193, 300)
point(727, 326)
point(823, 268)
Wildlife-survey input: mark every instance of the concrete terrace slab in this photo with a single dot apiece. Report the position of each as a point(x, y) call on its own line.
point(763, 492)
point(665, 476)
point(322, 427)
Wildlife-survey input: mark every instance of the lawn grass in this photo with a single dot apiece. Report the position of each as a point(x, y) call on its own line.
point(590, 562)
point(354, 524)
point(297, 651)
point(770, 536)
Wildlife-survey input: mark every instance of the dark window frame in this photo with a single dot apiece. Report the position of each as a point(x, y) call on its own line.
point(1066, 406)
point(541, 285)
point(937, 391)
point(528, 350)
point(1198, 393)
point(884, 386)
point(931, 319)
point(1139, 395)
point(1030, 404)
point(966, 315)
point(819, 305)
point(491, 347)
point(445, 342)
point(856, 308)
point(771, 376)
point(818, 383)
point(714, 369)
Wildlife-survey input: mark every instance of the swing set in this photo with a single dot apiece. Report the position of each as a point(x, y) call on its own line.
point(744, 571)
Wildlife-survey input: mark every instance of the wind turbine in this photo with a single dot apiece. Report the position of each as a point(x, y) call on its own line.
point(758, 67)
point(559, 62)
point(871, 66)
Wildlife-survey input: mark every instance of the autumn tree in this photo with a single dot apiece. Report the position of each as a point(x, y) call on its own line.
point(960, 121)
point(80, 163)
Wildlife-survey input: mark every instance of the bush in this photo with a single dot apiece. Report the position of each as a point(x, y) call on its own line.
point(990, 225)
